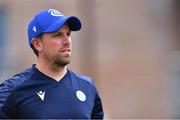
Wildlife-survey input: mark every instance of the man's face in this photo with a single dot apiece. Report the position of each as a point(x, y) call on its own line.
point(57, 46)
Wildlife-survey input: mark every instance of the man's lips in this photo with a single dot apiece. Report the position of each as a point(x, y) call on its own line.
point(65, 50)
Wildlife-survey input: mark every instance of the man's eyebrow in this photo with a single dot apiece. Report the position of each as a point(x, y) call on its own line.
point(56, 32)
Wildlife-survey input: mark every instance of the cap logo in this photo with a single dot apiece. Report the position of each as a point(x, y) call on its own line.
point(34, 28)
point(54, 12)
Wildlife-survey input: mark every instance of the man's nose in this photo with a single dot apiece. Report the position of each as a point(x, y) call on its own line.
point(66, 39)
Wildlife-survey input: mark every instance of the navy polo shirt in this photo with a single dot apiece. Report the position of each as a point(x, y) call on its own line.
point(34, 95)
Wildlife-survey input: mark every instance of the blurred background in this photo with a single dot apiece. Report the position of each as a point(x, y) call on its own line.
point(131, 49)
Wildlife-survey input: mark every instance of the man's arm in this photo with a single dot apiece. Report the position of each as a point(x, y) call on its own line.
point(2, 115)
point(97, 112)
point(5, 90)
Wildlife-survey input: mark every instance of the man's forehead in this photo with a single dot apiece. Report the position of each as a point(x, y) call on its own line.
point(64, 27)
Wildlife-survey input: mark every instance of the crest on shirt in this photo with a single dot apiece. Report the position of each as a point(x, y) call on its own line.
point(80, 95)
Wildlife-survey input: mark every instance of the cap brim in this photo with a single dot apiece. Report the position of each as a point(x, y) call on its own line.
point(73, 22)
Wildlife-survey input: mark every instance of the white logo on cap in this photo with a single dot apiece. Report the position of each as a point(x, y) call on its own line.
point(54, 12)
point(34, 28)
point(80, 95)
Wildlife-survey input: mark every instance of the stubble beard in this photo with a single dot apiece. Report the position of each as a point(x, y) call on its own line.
point(62, 61)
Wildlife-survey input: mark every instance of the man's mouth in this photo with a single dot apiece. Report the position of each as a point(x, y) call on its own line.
point(65, 50)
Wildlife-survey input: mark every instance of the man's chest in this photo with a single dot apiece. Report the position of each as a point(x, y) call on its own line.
point(55, 101)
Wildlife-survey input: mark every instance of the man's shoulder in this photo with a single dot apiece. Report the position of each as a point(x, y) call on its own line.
point(19, 78)
point(82, 77)
point(9, 85)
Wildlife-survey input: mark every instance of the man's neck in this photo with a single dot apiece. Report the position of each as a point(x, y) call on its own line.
point(57, 73)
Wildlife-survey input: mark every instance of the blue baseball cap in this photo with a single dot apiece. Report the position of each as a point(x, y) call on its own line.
point(50, 20)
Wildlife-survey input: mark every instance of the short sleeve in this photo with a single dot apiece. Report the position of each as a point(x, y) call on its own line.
point(97, 112)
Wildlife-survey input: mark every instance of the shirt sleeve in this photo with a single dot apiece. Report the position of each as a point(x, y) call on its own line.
point(6, 89)
point(4, 93)
point(2, 115)
point(8, 86)
point(97, 112)
point(8, 110)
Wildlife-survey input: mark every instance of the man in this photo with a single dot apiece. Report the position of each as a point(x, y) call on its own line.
point(48, 89)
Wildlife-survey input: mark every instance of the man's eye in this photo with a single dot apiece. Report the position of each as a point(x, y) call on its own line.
point(69, 34)
point(56, 35)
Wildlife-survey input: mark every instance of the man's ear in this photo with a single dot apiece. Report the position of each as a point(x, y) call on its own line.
point(37, 43)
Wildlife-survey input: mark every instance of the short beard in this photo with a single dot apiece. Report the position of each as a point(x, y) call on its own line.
point(60, 62)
